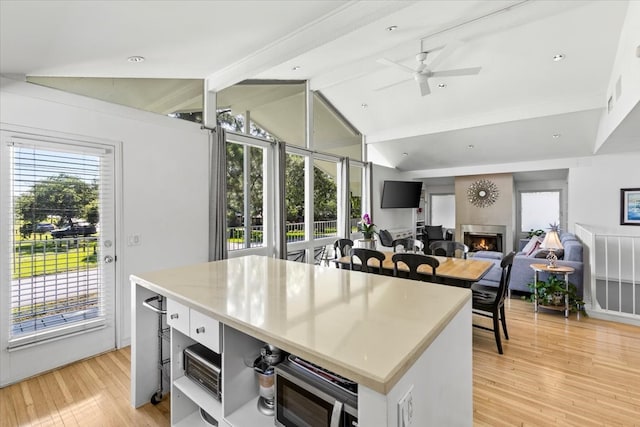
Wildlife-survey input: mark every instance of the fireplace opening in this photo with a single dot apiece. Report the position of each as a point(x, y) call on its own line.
point(483, 241)
point(483, 237)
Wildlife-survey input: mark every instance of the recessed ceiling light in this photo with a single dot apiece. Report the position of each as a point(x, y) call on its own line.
point(470, 146)
point(392, 28)
point(363, 105)
point(405, 154)
point(442, 85)
point(295, 68)
point(558, 57)
point(556, 135)
point(135, 58)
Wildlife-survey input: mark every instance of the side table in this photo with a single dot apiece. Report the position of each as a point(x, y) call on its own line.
point(566, 271)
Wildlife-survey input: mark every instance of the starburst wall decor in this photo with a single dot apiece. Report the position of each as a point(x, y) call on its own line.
point(483, 193)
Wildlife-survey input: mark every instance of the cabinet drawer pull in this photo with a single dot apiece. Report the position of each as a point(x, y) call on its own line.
point(200, 330)
point(174, 316)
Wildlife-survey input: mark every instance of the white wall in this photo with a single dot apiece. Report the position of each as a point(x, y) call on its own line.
point(164, 176)
point(594, 192)
point(626, 68)
point(390, 219)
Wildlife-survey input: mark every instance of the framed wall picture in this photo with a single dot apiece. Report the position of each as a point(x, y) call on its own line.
point(630, 206)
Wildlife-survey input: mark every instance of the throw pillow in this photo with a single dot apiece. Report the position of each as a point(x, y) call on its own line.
point(542, 253)
point(434, 232)
point(531, 246)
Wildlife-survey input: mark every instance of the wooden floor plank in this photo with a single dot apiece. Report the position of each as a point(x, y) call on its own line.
point(554, 371)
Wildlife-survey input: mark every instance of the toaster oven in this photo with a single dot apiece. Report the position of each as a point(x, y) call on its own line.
point(202, 365)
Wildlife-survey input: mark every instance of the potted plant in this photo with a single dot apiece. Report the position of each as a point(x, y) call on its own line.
point(552, 293)
point(535, 233)
point(366, 227)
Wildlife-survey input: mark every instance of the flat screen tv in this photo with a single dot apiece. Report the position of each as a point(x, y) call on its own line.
point(401, 194)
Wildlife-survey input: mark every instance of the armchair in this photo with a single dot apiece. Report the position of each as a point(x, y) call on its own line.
point(434, 233)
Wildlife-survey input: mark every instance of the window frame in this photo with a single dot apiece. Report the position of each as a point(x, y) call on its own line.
point(540, 187)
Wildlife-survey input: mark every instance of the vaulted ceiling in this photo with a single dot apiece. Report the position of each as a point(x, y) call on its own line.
point(509, 112)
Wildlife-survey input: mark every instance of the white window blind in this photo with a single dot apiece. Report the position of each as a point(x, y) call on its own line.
point(443, 210)
point(57, 283)
point(539, 210)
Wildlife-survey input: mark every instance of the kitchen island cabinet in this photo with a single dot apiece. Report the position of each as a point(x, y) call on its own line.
point(392, 336)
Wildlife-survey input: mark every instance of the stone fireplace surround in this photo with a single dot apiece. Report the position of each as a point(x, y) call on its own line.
point(492, 237)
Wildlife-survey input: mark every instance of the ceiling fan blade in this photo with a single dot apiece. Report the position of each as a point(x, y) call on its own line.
point(458, 72)
point(392, 84)
point(401, 67)
point(424, 88)
point(444, 54)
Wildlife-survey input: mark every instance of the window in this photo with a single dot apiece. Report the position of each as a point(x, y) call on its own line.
point(295, 197)
point(325, 199)
point(58, 209)
point(443, 210)
point(245, 196)
point(356, 189)
point(538, 209)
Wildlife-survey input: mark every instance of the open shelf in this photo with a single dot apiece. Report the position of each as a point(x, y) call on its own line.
point(248, 415)
point(199, 396)
point(192, 420)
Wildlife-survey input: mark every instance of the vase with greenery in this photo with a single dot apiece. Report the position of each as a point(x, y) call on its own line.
point(366, 227)
point(552, 293)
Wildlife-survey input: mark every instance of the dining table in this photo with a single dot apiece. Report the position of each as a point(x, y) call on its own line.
point(451, 271)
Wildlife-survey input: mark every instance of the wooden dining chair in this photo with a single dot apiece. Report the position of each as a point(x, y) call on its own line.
point(364, 255)
point(408, 244)
point(342, 247)
point(459, 250)
point(449, 249)
point(439, 248)
point(488, 301)
point(413, 261)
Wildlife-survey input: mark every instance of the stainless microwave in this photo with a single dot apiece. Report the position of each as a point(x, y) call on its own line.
point(304, 398)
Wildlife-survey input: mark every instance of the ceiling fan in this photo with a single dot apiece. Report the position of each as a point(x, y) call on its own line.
point(423, 72)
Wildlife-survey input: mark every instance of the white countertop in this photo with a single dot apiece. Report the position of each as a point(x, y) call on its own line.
point(366, 327)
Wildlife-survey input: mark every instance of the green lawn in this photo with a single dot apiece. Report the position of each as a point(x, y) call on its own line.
point(36, 258)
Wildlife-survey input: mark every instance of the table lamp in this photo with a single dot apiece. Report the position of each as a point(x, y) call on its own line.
point(552, 243)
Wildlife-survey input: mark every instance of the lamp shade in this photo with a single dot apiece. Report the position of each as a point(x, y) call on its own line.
point(551, 241)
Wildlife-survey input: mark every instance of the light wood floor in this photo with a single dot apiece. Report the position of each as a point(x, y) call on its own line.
point(555, 371)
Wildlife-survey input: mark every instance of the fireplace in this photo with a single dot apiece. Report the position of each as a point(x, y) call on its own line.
point(484, 237)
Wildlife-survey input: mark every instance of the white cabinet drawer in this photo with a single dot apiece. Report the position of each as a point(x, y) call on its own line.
point(178, 316)
point(205, 330)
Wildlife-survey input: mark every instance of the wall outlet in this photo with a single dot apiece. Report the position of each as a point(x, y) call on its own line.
point(134, 240)
point(405, 409)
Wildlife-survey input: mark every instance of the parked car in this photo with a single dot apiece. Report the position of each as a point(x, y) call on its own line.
point(74, 230)
point(43, 227)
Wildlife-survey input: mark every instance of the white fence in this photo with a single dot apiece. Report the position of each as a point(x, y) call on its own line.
point(612, 275)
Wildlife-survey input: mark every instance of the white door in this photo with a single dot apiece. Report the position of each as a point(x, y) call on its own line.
point(58, 252)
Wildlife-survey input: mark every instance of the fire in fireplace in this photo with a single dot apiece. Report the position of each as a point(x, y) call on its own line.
point(484, 237)
point(483, 242)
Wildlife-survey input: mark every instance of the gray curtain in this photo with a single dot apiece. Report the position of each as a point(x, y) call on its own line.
point(218, 195)
point(280, 229)
point(344, 228)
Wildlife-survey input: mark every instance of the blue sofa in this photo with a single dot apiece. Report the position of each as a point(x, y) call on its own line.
point(522, 273)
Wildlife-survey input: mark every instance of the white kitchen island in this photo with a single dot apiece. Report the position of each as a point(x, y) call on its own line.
point(389, 335)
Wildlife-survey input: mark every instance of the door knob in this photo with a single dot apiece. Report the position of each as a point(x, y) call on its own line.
point(108, 259)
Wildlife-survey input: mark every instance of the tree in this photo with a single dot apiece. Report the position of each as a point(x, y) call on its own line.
point(63, 196)
point(325, 190)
